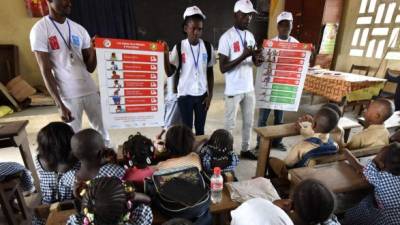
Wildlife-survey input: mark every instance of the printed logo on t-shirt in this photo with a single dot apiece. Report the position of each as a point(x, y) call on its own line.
point(236, 46)
point(183, 57)
point(204, 57)
point(54, 43)
point(75, 41)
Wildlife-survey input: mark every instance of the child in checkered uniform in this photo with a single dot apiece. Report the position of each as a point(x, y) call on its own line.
point(383, 173)
point(108, 200)
point(88, 146)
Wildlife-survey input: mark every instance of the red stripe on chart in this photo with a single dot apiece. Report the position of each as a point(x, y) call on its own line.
point(295, 54)
point(287, 74)
point(139, 58)
point(145, 108)
point(140, 76)
point(140, 84)
point(140, 101)
point(287, 45)
point(135, 92)
point(290, 61)
point(138, 66)
point(285, 81)
point(294, 68)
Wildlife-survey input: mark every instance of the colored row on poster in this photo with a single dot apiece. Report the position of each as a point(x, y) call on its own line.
point(131, 75)
point(112, 56)
point(132, 92)
point(133, 108)
point(131, 84)
point(279, 93)
point(120, 100)
point(117, 66)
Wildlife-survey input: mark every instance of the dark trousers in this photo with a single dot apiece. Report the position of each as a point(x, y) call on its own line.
point(193, 104)
point(262, 122)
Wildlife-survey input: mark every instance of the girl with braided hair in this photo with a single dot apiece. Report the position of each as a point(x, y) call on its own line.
point(218, 152)
point(110, 201)
point(138, 152)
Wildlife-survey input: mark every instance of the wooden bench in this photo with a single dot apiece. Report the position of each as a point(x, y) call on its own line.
point(286, 130)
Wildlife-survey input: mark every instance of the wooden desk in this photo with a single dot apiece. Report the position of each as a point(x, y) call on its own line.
point(393, 122)
point(286, 130)
point(340, 177)
point(221, 209)
point(13, 134)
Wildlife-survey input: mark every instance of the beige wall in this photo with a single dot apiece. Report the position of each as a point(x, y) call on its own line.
point(15, 25)
point(347, 25)
point(276, 7)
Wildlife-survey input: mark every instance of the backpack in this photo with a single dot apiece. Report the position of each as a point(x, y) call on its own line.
point(178, 70)
point(181, 192)
point(328, 148)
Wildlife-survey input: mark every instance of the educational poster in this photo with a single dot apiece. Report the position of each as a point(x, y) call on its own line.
point(131, 82)
point(280, 79)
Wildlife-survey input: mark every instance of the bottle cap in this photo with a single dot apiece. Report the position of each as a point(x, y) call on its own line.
point(217, 171)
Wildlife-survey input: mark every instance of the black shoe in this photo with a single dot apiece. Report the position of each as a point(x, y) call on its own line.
point(248, 155)
point(279, 147)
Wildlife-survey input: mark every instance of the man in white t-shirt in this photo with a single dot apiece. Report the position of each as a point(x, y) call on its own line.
point(237, 55)
point(66, 58)
point(191, 64)
point(285, 23)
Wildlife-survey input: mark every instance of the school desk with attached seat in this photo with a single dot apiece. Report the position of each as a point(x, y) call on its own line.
point(13, 134)
point(286, 130)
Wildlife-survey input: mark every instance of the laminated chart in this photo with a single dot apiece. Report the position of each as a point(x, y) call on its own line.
point(131, 82)
point(280, 79)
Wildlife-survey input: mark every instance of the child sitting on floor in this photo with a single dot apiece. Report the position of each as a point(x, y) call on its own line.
point(319, 144)
point(88, 146)
point(383, 173)
point(179, 142)
point(375, 133)
point(218, 152)
point(138, 154)
point(110, 201)
point(311, 203)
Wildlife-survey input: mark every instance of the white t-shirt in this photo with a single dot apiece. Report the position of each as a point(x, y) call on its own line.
point(192, 80)
point(240, 79)
point(290, 39)
point(259, 211)
point(73, 79)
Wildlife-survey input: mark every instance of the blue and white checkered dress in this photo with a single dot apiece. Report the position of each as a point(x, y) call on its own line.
point(67, 181)
point(141, 215)
point(12, 168)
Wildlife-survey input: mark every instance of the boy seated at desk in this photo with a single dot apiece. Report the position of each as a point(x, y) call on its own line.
point(319, 144)
point(383, 173)
point(375, 134)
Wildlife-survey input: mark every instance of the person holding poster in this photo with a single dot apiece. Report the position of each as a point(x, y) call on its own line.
point(192, 62)
point(285, 22)
point(237, 52)
point(66, 58)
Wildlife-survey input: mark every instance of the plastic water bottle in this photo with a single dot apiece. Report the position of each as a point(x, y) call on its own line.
point(217, 184)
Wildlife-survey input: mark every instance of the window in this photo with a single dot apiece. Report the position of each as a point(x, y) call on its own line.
point(377, 30)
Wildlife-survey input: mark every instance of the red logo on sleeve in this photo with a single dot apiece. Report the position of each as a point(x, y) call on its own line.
point(54, 43)
point(183, 57)
point(236, 46)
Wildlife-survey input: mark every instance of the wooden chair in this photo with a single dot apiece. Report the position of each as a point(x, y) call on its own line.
point(362, 70)
point(390, 87)
point(10, 191)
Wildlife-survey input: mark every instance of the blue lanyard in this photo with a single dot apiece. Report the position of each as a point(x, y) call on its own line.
point(59, 32)
point(241, 39)
point(196, 61)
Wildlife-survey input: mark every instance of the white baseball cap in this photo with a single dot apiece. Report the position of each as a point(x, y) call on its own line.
point(193, 10)
point(244, 6)
point(284, 16)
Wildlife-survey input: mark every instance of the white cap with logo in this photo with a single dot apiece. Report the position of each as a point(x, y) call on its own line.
point(244, 6)
point(193, 10)
point(284, 16)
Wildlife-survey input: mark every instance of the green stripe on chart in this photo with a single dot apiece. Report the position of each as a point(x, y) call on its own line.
point(283, 94)
point(284, 87)
point(282, 100)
